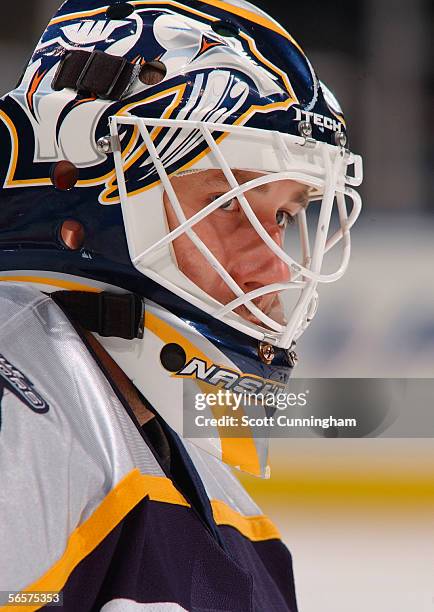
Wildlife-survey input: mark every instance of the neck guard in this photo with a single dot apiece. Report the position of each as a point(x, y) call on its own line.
point(181, 367)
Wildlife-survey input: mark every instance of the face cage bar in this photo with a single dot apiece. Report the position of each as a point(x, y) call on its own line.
point(309, 272)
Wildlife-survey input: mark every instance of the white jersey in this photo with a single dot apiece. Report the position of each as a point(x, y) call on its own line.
point(84, 498)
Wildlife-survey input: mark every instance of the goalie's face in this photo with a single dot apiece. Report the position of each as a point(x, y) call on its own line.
point(232, 239)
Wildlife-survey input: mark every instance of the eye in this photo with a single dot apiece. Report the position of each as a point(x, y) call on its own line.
point(283, 218)
point(230, 205)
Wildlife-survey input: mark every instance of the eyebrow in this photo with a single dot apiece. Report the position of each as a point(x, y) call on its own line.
point(302, 196)
point(299, 197)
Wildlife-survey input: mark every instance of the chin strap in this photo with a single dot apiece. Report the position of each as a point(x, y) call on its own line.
point(108, 314)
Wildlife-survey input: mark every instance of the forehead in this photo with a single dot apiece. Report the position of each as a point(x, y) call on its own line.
point(211, 177)
point(214, 180)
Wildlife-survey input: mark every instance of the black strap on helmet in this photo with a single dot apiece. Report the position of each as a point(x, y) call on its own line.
point(101, 74)
point(108, 314)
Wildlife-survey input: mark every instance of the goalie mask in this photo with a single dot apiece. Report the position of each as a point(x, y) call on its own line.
point(189, 155)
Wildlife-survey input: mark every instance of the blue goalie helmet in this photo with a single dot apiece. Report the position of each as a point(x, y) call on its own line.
point(188, 155)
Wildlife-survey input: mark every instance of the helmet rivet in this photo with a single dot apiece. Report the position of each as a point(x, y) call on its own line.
point(266, 352)
point(104, 144)
point(305, 129)
point(64, 175)
point(340, 139)
point(72, 234)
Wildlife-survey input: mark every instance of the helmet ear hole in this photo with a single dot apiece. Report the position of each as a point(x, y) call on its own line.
point(152, 73)
point(225, 28)
point(173, 357)
point(119, 11)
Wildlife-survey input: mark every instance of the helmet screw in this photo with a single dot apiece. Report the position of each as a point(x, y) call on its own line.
point(266, 352)
point(104, 144)
point(340, 139)
point(292, 358)
point(305, 129)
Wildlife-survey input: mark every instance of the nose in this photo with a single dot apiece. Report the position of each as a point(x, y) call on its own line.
point(256, 265)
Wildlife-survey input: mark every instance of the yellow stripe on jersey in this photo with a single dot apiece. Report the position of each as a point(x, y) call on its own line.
point(255, 528)
point(114, 508)
point(85, 538)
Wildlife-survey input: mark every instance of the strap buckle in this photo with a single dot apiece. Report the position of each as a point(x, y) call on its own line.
point(120, 315)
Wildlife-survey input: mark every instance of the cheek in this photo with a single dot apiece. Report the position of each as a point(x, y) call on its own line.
point(215, 240)
point(193, 264)
point(185, 253)
point(213, 232)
